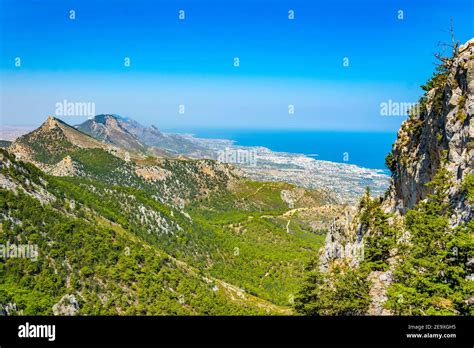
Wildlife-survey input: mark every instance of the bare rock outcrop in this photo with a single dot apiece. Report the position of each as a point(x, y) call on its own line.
point(66, 167)
point(439, 134)
point(67, 305)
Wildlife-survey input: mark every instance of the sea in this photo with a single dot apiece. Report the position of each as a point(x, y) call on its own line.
point(364, 149)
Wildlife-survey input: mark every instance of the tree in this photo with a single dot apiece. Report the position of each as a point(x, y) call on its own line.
point(342, 291)
point(379, 236)
point(431, 277)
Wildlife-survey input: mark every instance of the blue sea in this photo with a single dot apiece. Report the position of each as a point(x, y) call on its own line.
point(365, 149)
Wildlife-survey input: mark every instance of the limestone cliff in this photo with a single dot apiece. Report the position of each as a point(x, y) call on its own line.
point(440, 132)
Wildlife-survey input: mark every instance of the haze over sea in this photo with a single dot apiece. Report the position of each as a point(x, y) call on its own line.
point(364, 149)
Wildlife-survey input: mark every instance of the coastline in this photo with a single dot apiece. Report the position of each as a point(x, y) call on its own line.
point(347, 181)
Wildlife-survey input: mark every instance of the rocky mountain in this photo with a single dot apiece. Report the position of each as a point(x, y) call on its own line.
point(111, 129)
point(129, 134)
point(62, 150)
point(439, 133)
point(173, 143)
point(411, 251)
point(121, 232)
point(49, 144)
point(50, 141)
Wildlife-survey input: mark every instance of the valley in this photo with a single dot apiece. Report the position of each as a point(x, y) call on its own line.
point(150, 231)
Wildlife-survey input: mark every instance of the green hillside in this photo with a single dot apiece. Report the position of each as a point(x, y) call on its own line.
point(200, 241)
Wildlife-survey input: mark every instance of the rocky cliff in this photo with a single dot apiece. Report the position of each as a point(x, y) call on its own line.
point(439, 133)
point(131, 135)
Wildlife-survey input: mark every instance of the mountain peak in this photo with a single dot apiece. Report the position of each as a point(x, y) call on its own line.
point(127, 133)
point(50, 142)
point(112, 129)
point(103, 118)
point(50, 123)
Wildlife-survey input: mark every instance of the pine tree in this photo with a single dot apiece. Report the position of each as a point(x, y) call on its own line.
point(342, 291)
point(379, 235)
point(431, 279)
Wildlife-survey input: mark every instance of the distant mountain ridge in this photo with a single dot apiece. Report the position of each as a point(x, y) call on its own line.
point(129, 134)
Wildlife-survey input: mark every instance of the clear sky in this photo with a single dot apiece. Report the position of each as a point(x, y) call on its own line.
point(190, 62)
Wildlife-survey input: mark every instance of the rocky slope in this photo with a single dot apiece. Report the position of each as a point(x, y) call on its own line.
point(49, 143)
point(131, 135)
point(440, 132)
point(111, 129)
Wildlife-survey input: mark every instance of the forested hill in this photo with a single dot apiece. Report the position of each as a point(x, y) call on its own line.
point(122, 232)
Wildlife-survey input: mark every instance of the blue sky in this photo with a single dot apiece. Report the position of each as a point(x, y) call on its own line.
point(190, 62)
